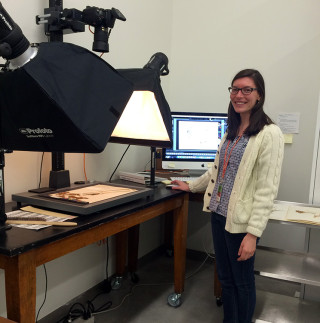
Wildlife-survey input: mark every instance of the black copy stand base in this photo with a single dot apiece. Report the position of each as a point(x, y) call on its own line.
point(59, 179)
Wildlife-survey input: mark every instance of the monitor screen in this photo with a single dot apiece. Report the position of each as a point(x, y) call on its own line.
point(196, 137)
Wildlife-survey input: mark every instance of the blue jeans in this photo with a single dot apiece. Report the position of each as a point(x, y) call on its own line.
point(236, 277)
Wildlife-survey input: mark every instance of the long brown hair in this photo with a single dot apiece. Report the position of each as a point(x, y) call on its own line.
point(258, 118)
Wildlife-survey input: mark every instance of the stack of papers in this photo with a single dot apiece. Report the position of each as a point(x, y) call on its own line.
point(46, 218)
point(296, 213)
point(141, 177)
point(308, 215)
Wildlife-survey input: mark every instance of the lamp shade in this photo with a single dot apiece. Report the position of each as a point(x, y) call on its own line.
point(146, 119)
point(65, 99)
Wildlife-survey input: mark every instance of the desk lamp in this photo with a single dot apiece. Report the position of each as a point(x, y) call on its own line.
point(55, 96)
point(146, 119)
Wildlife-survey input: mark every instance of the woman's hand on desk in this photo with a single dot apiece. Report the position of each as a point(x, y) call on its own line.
point(180, 185)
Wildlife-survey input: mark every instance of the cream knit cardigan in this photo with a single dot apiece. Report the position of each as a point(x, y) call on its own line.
point(256, 183)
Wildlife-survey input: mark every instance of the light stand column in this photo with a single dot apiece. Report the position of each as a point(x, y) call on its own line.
point(153, 168)
point(3, 216)
point(59, 177)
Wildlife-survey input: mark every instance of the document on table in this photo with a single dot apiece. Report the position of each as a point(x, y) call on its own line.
point(31, 213)
point(92, 194)
point(296, 213)
point(308, 215)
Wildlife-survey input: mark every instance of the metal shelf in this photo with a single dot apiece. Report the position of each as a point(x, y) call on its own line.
point(294, 267)
point(273, 307)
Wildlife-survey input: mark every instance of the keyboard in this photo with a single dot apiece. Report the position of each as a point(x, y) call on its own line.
point(184, 178)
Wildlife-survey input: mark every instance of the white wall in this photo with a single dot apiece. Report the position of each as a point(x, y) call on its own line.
point(212, 40)
point(207, 42)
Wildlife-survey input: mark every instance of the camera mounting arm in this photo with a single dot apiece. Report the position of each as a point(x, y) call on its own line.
point(72, 20)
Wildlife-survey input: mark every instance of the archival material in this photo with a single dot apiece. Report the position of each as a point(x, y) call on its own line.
point(133, 177)
point(289, 122)
point(26, 216)
point(279, 212)
point(141, 177)
point(92, 194)
point(44, 222)
point(46, 212)
point(308, 215)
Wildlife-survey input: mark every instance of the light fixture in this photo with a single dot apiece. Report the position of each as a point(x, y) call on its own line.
point(64, 99)
point(56, 97)
point(146, 119)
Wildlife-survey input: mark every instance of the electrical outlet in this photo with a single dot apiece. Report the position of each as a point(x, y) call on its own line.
point(80, 320)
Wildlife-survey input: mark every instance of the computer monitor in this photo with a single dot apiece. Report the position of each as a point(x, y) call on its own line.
point(196, 137)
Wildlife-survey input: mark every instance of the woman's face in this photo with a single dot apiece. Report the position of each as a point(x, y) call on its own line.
point(244, 103)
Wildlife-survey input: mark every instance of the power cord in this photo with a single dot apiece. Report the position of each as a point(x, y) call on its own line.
point(75, 312)
point(196, 271)
point(208, 253)
point(40, 175)
point(79, 310)
point(119, 163)
point(107, 284)
point(45, 291)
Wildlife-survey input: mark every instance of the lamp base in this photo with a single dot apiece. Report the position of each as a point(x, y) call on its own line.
point(154, 185)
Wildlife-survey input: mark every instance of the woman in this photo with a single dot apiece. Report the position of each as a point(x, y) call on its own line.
point(239, 191)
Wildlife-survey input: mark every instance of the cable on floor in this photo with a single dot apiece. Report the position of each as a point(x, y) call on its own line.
point(129, 294)
point(210, 255)
point(79, 310)
point(151, 284)
point(90, 310)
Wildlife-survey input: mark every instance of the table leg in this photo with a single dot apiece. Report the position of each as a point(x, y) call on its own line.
point(180, 223)
point(121, 258)
point(133, 248)
point(168, 229)
point(121, 252)
point(20, 282)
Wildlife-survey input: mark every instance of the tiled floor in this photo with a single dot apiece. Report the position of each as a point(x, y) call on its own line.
point(146, 301)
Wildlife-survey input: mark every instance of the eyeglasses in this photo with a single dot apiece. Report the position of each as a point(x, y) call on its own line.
point(245, 90)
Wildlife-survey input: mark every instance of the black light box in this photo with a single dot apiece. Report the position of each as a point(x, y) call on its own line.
point(65, 99)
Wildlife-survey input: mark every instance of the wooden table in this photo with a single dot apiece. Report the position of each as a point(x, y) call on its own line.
point(22, 250)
